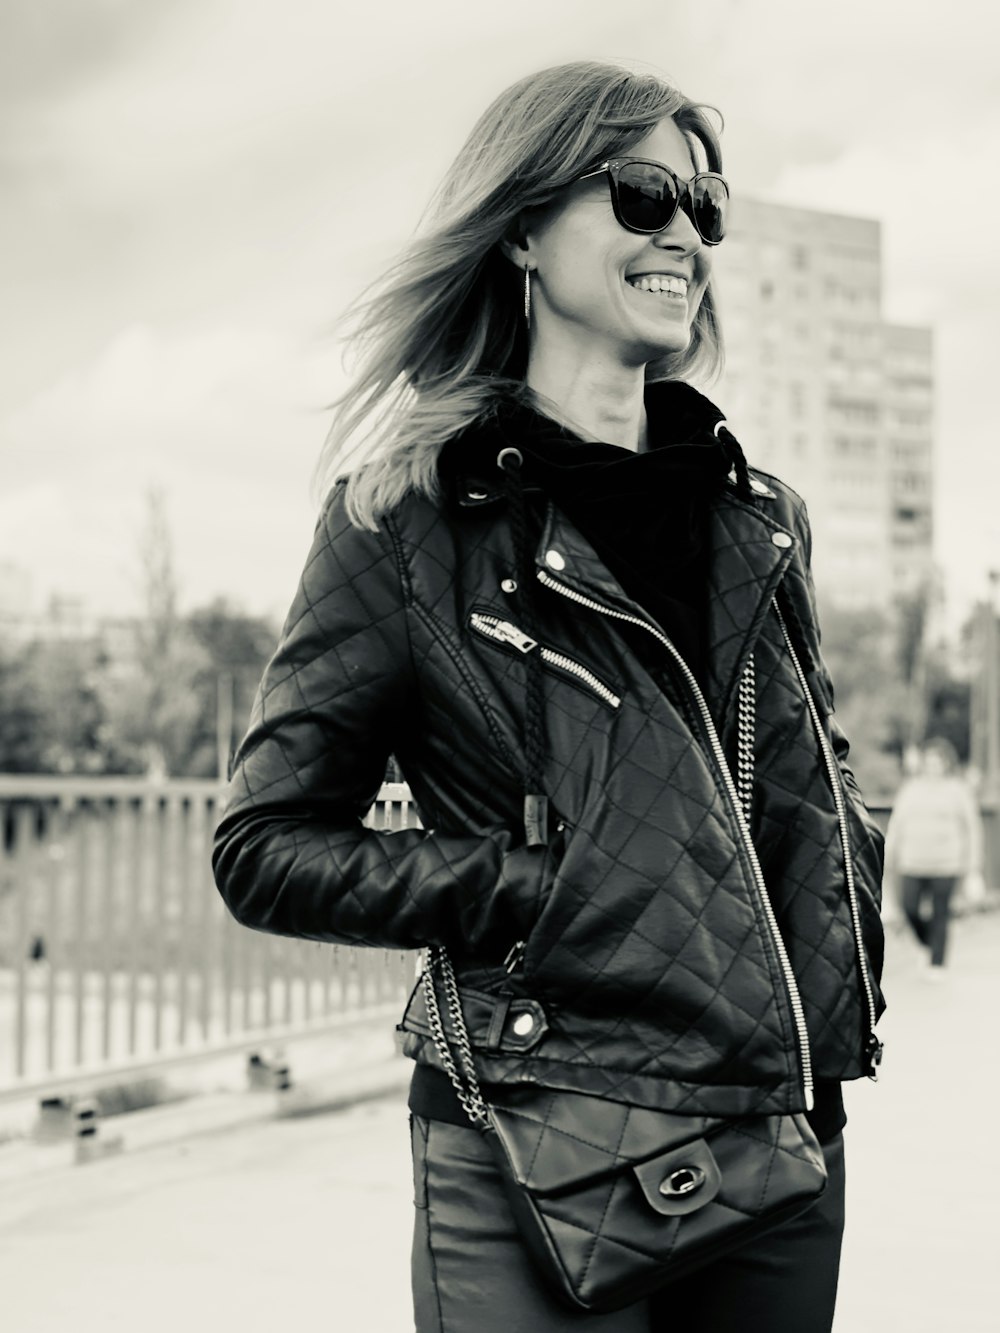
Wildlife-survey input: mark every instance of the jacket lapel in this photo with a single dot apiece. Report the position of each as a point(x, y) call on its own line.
point(749, 555)
point(563, 553)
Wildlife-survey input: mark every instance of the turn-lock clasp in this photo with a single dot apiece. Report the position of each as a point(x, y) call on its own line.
point(685, 1180)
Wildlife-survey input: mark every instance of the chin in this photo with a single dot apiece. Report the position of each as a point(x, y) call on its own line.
point(657, 349)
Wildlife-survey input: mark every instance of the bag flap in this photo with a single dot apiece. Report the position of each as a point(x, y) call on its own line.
point(680, 1181)
point(558, 1140)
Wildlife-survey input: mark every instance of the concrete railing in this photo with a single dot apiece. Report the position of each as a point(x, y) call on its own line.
point(117, 954)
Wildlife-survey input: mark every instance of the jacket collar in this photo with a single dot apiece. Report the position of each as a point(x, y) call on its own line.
point(677, 415)
point(477, 487)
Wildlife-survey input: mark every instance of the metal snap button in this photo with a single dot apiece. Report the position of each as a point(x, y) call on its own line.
point(781, 539)
point(524, 1025)
point(555, 560)
point(477, 495)
point(685, 1180)
point(509, 585)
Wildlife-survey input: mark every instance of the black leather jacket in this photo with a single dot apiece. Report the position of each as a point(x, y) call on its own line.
point(650, 970)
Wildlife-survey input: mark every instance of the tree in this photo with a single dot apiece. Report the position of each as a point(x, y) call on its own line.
point(151, 697)
point(871, 699)
point(21, 718)
point(236, 647)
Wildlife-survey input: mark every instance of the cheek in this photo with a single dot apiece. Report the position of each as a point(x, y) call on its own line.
point(702, 274)
point(587, 276)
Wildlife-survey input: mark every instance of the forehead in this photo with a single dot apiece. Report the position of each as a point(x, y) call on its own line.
point(667, 144)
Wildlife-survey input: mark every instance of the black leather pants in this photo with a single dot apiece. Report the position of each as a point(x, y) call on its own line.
point(471, 1274)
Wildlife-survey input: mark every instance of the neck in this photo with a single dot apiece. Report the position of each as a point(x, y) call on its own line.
point(598, 398)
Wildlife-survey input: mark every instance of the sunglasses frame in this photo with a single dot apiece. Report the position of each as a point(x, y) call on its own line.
point(685, 192)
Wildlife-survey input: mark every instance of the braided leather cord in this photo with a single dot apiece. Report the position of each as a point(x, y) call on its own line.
point(510, 463)
point(469, 1092)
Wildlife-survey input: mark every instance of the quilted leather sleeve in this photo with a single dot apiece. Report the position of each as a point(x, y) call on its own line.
point(291, 854)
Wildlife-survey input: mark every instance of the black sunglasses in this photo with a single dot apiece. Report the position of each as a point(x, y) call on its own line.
point(646, 196)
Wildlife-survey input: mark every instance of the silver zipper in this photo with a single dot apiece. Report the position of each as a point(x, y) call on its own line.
point(503, 631)
point(795, 1000)
point(836, 786)
point(506, 632)
point(515, 955)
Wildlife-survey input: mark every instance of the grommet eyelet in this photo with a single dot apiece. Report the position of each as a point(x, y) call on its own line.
point(509, 585)
point(513, 454)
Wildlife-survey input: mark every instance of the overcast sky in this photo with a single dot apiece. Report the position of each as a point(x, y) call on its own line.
point(184, 215)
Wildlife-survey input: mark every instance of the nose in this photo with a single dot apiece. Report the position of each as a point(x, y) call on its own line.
point(682, 235)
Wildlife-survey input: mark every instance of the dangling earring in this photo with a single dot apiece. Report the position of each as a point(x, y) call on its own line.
point(527, 296)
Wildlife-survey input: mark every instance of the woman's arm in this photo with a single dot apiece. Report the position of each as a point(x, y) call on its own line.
point(291, 854)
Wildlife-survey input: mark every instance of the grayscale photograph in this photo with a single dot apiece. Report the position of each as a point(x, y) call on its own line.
point(499, 667)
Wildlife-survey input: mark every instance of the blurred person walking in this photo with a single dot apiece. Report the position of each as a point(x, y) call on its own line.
point(558, 594)
point(933, 843)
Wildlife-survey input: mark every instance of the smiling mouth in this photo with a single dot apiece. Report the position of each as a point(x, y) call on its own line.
point(659, 284)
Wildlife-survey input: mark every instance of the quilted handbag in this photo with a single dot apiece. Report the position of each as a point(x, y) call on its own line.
point(615, 1201)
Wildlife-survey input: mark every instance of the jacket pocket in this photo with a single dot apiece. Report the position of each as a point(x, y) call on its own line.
point(504, 633)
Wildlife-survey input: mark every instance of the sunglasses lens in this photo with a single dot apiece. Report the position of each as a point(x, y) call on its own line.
point(710, 205)
point(647, 196)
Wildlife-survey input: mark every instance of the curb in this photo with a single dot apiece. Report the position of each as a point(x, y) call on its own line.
point(205, 1115)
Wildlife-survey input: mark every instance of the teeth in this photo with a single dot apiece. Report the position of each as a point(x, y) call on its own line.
point(659, 282)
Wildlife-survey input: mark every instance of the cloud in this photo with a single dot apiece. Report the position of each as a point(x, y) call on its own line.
point(51, 46)
point(190, 200)
point(227, 421)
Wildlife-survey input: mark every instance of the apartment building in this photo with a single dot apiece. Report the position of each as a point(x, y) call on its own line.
point(822, 392)
point(909, 425)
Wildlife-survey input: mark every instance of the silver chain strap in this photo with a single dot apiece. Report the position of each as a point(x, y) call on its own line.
point(470, 1094)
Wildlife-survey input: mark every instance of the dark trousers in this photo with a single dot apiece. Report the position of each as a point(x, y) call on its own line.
point(472, 1275)
point(937, 889)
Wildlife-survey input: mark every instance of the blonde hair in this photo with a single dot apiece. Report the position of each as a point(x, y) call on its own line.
point(440, 336)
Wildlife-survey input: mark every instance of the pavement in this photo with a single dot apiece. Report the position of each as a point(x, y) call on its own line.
point(257, 1222)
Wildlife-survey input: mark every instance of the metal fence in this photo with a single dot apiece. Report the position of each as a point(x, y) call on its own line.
point(117, 954)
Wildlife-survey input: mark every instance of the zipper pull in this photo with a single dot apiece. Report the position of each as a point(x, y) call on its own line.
point(536, 819)
point(517, 638)
point(513, 959)
point(875, 1049)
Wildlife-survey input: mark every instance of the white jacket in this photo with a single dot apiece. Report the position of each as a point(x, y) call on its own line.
point(934, 828)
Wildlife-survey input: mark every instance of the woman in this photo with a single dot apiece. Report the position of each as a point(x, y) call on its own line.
point(933, 842)
point(546, 593)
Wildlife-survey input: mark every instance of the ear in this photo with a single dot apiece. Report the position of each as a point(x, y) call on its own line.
point(515, 243)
